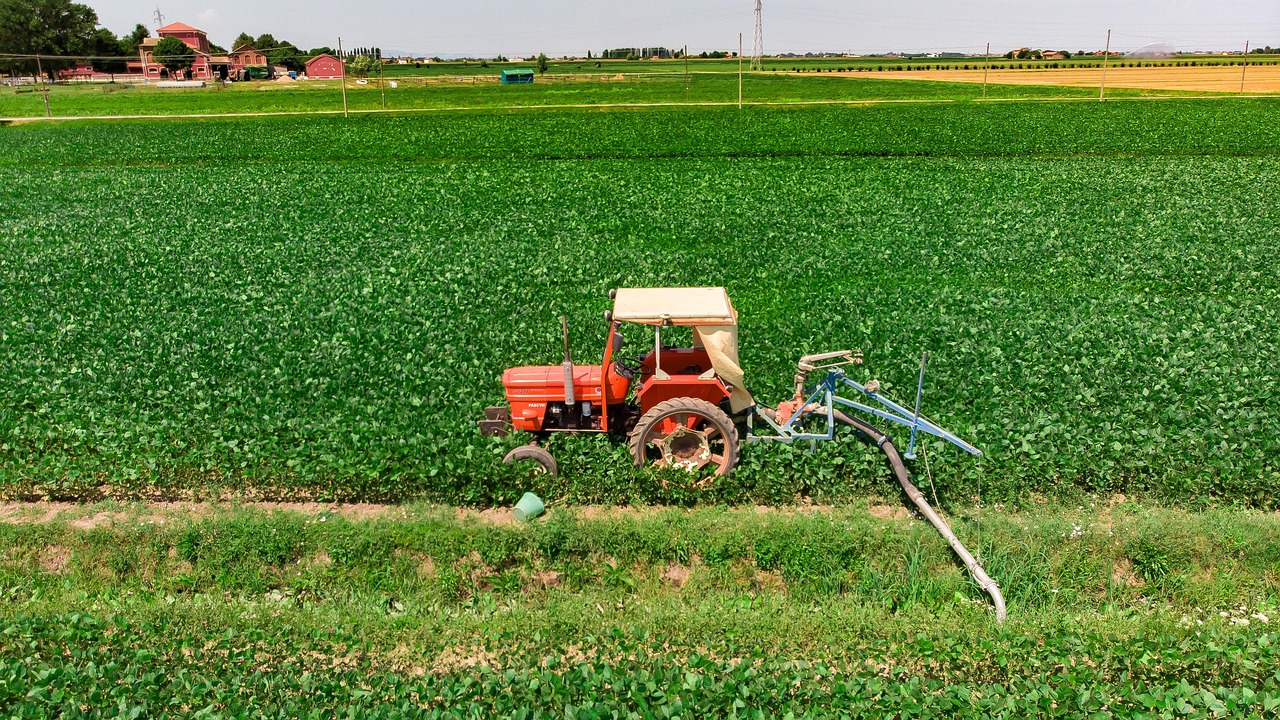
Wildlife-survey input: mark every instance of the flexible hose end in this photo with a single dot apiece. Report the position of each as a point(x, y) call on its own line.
point(900, 472)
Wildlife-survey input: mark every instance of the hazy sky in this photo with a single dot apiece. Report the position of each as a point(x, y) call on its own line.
point(560, 27)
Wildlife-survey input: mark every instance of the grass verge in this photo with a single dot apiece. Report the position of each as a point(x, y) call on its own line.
point(426, 611)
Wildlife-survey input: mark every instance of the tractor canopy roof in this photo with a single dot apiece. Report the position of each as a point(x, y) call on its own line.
point(685, 307)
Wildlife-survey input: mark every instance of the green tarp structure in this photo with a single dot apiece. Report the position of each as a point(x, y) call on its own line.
point(516, 77)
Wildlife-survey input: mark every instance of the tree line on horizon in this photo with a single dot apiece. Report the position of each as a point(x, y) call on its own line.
point(63, 32)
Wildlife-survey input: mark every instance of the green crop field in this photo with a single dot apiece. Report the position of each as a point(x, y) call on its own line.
point(293, 311)
point(322, 308)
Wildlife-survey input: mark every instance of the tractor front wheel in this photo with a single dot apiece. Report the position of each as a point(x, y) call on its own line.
point(686, 433)
point(542, 460)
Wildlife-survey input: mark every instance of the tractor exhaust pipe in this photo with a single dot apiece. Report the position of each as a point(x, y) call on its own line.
point(568, 364)
point(900, 472)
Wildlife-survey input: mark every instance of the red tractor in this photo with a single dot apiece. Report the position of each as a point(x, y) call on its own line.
point(675, 405)
point(682, 407)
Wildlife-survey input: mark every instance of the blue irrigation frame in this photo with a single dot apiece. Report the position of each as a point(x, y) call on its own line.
point(827, 389)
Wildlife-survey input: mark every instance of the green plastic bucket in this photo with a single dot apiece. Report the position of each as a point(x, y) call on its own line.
point(529, 507)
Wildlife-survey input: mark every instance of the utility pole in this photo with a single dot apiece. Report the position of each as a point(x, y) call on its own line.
point(342, 60)
point(1245, 67)
point(381, 86)
point(985, 62)
point(739, 71)
point(1106, 55)
point(44, 87)
point(686, 73)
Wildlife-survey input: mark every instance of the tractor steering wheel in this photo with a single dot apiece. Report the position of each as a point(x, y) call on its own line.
point(629, 368)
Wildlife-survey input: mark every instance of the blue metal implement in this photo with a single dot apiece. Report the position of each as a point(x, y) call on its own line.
point(786, 418)
point(911, 449)
point(827, 388)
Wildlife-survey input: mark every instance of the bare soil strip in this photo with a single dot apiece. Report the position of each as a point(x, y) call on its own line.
point(101, 514)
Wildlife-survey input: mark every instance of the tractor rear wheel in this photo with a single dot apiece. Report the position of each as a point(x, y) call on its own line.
point(687, 433)
point(543, 461)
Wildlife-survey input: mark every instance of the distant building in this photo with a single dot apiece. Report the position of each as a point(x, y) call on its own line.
point(324, 67)
point(1052, 55)
point(205, 65)
point(246, 55)
point(81, 71)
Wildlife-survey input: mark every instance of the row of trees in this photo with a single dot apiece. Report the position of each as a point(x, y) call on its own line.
point(57, 28)
point(63, 33)
point(1029, 54)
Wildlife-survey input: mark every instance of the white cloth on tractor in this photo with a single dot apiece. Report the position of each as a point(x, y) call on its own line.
point(721, 342)
point(682, 307)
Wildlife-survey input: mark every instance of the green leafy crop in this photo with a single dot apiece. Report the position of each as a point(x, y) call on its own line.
point(189, 307)
point(111, 667)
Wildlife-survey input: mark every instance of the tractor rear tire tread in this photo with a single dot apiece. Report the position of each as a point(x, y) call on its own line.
point(698, 406)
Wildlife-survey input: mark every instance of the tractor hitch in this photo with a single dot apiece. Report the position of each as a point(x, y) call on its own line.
point(496, 422)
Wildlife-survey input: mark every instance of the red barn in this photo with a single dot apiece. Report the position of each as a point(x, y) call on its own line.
point(324, 66)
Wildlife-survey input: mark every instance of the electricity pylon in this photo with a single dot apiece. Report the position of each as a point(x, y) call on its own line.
point(757, 48)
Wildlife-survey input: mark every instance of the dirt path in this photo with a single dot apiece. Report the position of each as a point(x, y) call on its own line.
point(1258, 79)
point(91, 515)
point(108, 512)
point(99, 514)
point(473, 108)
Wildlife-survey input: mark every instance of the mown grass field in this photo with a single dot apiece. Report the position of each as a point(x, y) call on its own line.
point(437, 91)
point(1117, 610)
point(447, 85)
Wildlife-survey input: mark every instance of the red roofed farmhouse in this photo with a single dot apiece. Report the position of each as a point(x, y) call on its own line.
point(205, 66)
point(324, 66)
